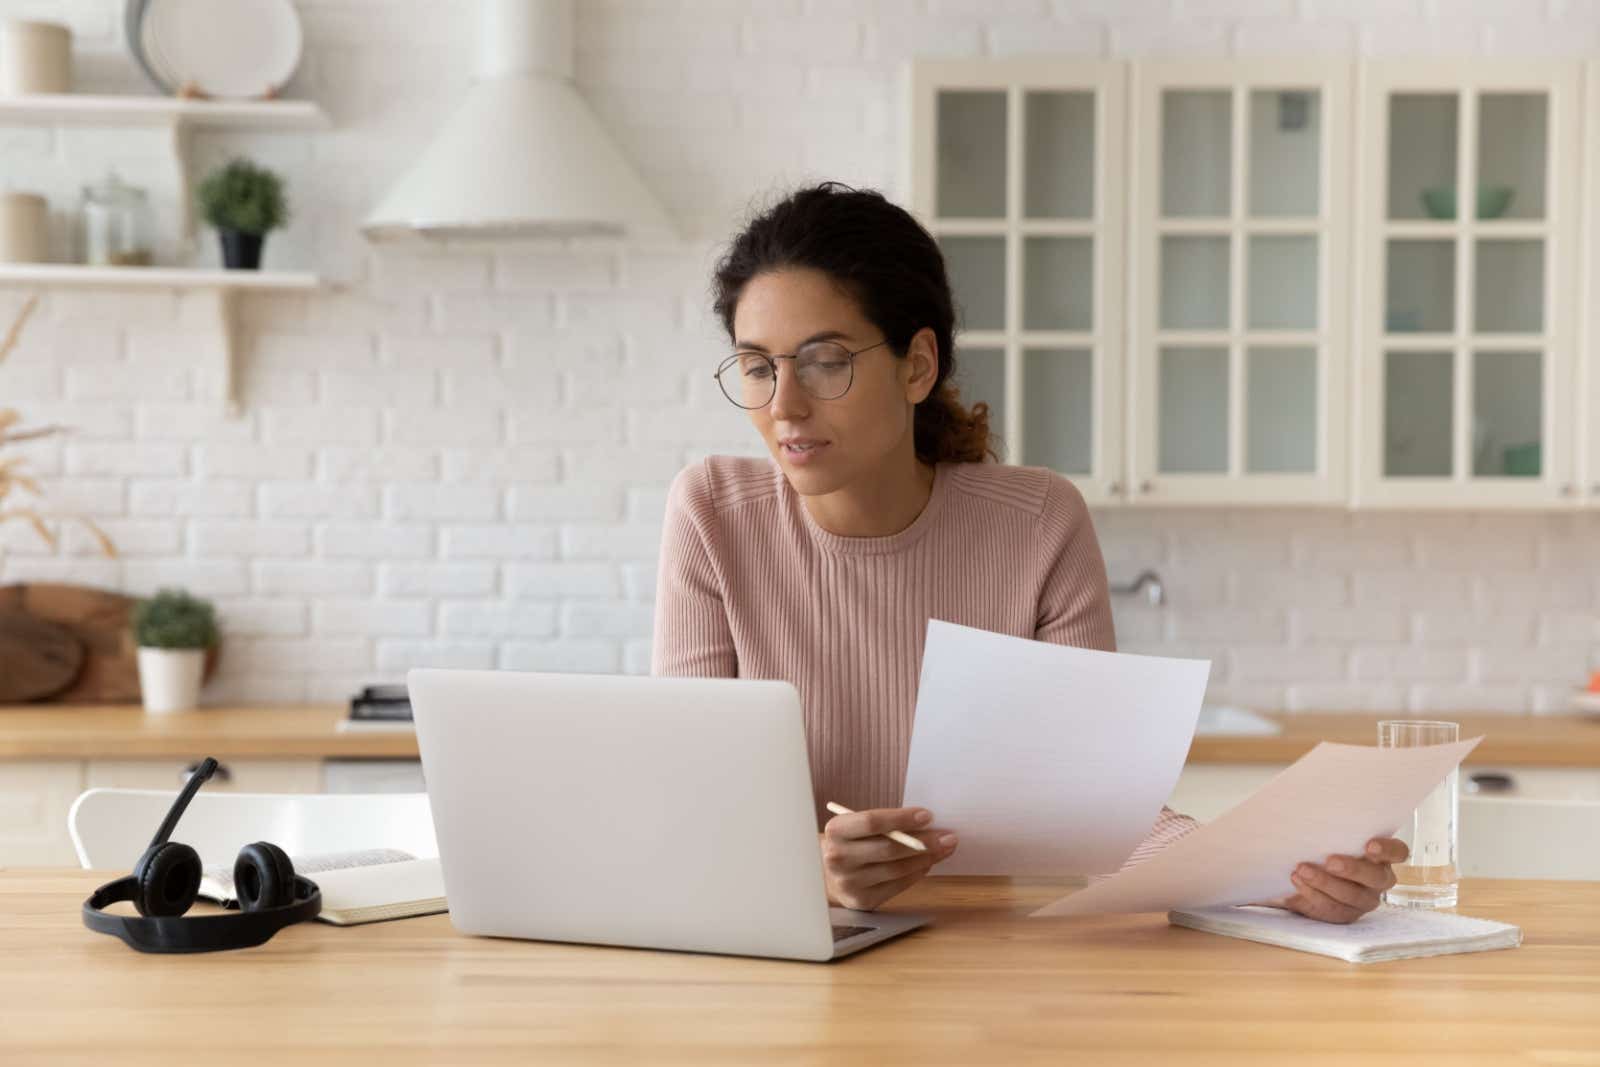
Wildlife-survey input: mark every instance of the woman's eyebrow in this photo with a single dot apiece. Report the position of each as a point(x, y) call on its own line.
point(825, 335)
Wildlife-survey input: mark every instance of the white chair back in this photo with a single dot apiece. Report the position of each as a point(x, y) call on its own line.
point(1513, 837)
point(111, 828)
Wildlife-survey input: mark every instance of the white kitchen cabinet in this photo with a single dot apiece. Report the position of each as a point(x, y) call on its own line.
point(1019, 169)
point(1298, 313)
point(1206, 790)
point(36, 795)
point(1588, 374)
point(1239, 316)
point(34, 800)
point(231, 775)
point(1469, 372)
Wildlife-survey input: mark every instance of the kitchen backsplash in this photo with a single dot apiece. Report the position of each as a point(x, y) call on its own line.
point(458, 455)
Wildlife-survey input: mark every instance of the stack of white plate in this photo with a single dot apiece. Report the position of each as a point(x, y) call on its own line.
point(232, 50)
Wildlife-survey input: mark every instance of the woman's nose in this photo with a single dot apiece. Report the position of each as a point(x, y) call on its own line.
point(789, 399)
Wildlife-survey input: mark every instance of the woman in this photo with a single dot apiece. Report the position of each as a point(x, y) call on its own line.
point(877, 512)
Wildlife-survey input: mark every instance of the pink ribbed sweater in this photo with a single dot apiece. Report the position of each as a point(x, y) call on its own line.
point(750, 586)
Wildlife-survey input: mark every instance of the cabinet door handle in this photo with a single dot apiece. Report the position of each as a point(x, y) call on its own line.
point(1568, 489)
point(1114, 489)
point(221, 774)
point(1146, 486)
point(1491, 782)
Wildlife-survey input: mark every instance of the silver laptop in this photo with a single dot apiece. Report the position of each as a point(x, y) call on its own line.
point(669, 813)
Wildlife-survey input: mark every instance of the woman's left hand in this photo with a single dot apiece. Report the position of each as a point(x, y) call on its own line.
point(1345, 887)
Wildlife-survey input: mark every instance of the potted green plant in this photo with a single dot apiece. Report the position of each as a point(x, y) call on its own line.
point(173, 631)
point(245, 203)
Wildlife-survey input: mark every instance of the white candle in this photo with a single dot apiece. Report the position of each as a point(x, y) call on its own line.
point(24, 228)
point(35, 57)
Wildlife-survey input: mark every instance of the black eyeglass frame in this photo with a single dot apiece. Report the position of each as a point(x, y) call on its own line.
point(772, 360)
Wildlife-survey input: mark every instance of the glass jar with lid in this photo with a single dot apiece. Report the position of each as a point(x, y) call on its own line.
point(115, 224)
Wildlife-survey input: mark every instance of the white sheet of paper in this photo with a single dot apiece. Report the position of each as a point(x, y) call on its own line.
point(1046, 759)
point(1332, 800)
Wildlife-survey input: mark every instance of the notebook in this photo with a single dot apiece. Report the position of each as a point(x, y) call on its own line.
point(357, 887)
point(1387, 933)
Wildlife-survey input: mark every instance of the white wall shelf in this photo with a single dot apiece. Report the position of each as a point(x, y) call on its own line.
point(72, 274)
point(220, 286)
point(82, 109)
point(179, 118)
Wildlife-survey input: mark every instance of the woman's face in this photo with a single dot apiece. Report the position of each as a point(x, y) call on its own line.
point(826, 445)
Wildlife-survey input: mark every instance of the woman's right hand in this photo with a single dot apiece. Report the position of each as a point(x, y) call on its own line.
point(863, 869)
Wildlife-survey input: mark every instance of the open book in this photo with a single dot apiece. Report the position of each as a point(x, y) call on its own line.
point(1388, 933)
point(357, 887)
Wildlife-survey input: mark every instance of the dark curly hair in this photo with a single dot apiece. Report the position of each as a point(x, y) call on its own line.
point(895, 271)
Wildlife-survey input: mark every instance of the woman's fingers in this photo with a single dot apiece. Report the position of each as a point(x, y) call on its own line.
point(877, 874)
point(1315, 904)
point(864, 868)
point(1379, 876)
point(859, 824)
point(1309, 878)
point(1387, 850)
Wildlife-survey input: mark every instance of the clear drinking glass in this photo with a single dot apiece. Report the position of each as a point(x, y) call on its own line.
point(1428, 879)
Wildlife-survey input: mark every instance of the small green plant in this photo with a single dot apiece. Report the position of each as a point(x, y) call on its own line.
point(174, 619)
point(244, 197)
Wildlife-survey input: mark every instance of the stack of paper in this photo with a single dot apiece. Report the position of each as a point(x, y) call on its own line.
point(1385, 934)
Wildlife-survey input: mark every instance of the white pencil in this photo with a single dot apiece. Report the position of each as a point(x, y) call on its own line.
point(893, 835)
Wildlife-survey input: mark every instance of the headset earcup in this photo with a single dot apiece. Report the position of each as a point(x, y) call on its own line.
point(169, 879)
point(263, 877)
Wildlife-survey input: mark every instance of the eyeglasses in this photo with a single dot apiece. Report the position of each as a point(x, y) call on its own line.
point(825, 370)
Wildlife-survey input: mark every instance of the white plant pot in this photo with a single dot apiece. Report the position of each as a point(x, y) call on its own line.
point(169, 678)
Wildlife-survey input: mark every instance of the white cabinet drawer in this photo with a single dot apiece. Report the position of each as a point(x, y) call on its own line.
point(34, 800)
point(1206, 790)
point(235, 776)
point(372, 776)
point(1534, 783)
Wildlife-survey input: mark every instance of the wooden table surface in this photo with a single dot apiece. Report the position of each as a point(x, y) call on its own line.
point(120, 731)
point(982, 985)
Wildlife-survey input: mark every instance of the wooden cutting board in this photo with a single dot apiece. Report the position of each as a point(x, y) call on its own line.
point(99, 619)
point(38, 659)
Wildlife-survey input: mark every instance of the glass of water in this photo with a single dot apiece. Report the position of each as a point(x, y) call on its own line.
point(1428, 878)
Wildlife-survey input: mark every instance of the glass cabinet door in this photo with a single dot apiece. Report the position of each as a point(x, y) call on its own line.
point(1240, 318)
point(1018, 172)
point(1467, 332)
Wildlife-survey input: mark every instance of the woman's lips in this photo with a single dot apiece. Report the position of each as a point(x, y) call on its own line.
point(802, 455)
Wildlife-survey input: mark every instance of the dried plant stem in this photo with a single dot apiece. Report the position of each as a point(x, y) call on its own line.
point(11, 477)
point(15, 332)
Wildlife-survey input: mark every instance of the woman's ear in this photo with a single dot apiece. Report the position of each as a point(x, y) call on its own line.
point(922, 365)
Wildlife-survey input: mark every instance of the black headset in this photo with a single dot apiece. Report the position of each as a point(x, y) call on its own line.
point(166, 881)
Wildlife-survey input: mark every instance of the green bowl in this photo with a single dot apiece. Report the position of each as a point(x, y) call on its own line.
point(1440, 201)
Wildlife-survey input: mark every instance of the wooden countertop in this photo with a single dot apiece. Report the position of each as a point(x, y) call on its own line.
point(121, 731)
point(982, 984)
point(1526, 740)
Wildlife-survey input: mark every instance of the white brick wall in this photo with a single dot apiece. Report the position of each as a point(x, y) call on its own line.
point(458, 455)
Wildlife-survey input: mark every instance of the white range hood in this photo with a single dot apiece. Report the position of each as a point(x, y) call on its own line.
point(523, 156)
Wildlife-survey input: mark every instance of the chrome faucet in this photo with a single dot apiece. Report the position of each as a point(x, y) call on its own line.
point(1150, 582)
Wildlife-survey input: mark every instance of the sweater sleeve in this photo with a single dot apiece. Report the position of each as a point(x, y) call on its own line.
point(1075, 609)
point(691, 635)
point(1074, 602)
